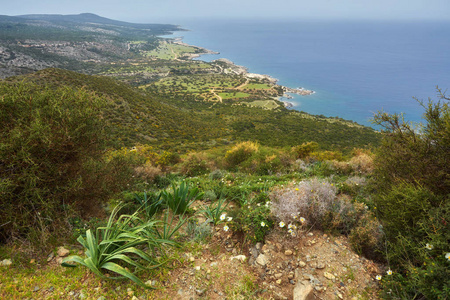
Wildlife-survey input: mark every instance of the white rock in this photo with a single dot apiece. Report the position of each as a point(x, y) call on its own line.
point(241, 258)
point(6, 262)
point(261, 260)
point(62, 252)
point(329, 276)
point(303, 291)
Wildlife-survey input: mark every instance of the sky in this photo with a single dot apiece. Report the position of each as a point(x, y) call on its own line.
point(173, 11)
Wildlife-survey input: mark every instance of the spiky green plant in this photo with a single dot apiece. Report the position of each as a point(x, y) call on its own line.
point(181, 197)
point(213, 211)
point(149, 205)
point(117, 245)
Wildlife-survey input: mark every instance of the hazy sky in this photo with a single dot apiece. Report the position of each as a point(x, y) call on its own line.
point(174, 10)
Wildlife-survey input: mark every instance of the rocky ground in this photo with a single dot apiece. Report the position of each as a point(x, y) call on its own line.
point(312, 265)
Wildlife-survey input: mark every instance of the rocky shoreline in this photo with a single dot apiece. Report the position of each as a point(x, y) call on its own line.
point(229, 67)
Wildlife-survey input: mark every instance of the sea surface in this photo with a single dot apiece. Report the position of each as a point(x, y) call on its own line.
point(356, 68)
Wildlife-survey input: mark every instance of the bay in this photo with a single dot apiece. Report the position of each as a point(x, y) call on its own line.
point(356, 68)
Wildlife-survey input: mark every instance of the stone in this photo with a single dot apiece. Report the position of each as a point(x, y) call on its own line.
point(191, 259)
point(258, 246)
point(36, 288)
point(302, 264)
point(200, 291)
point(329, 276)
point(101, 298)
point(50, 257)
point(6, 262)
point(303, 290)
point(278, 281)
point(317, 265)
point(63, 252)
point(288, 252)
point(254, 252)
point(278, 275)
point(291, 275)
point(240, 258)
point(261, 260)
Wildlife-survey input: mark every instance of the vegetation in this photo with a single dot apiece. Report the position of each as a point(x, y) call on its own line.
point(180, 153)
point(412, 176)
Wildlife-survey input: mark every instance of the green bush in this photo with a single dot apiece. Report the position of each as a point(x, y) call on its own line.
point(240, 153)
point(51, 146)
point(250, 220)
point(413, 181)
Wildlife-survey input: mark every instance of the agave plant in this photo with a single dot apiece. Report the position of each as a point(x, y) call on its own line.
point(181, 198)
point(117, 245)
point(149, 205)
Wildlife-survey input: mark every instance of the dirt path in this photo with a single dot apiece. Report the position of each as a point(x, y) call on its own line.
point(217, 95)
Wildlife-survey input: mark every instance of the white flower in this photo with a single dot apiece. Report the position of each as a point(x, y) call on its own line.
point(229, 219)
point(282, 224)
point(378, 277)
point(263, 224)
point(429, 246)
point(389, 272)
point(290, 226)
point(447, 256)
point(222, 217)
point(226, 228)
point(303, 220)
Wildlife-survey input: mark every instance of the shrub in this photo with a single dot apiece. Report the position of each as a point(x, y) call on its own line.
point(367, 236)
point(51, 157)
point(195, 164)
point(148, 171)
point(412, 179)
point(316, 201)
point(240, 153)
point(250, 220)
point(304, 150)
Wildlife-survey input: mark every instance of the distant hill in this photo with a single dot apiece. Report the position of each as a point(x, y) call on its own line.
point(93, 18)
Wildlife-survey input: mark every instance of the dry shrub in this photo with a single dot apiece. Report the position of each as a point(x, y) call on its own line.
point(362, 163)
point(148, 171)
point(366, 238)
point(311, 199)
point(356, 181)
point(196, 164)
point(317, 201)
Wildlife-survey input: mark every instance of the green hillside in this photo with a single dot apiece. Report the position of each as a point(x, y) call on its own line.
point(170, 123)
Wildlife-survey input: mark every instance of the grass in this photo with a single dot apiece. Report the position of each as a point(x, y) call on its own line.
point(234, 95)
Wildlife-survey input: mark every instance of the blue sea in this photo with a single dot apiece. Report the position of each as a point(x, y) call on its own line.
point(356, 68)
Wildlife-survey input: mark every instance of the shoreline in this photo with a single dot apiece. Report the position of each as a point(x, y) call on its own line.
point(241, 70)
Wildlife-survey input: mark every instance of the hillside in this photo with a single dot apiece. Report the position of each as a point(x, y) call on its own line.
point(136, 117)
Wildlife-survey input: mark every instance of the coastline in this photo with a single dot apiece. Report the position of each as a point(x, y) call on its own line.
point(232, 68)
